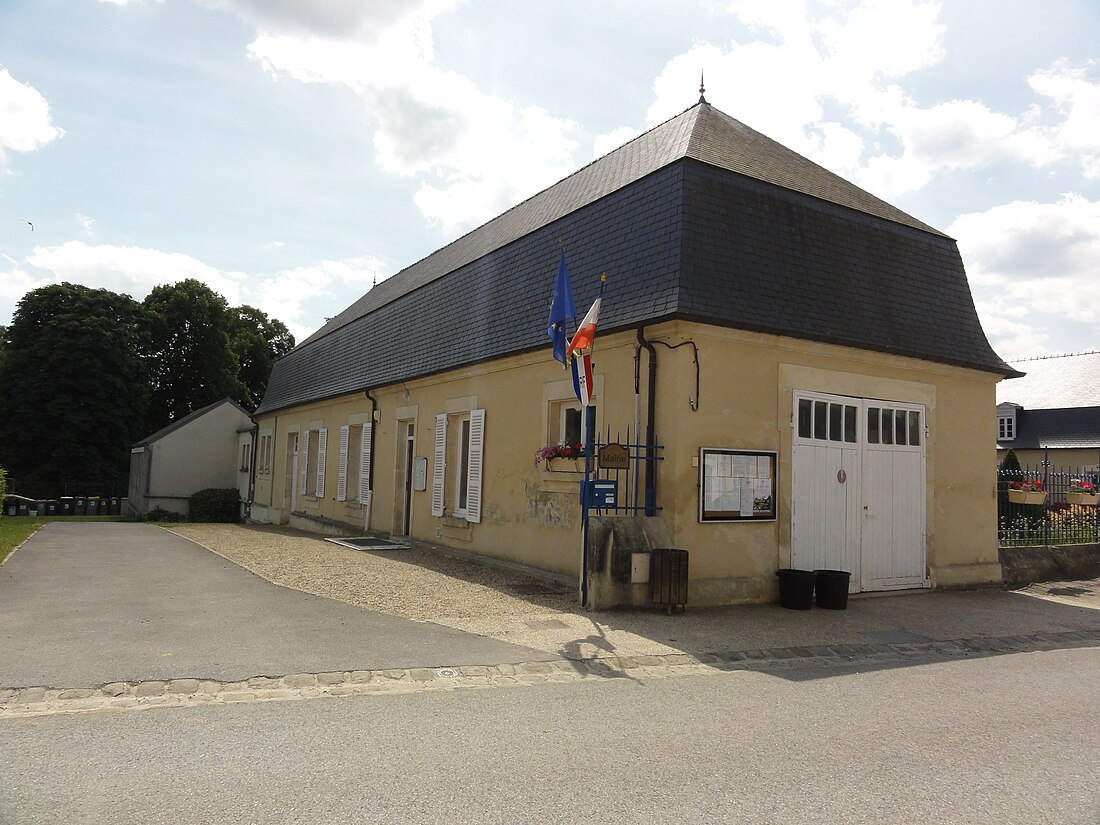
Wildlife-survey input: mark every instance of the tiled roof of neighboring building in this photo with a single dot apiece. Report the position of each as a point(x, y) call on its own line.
point(1054, 382)
point(699, 218)
point(1074, 427)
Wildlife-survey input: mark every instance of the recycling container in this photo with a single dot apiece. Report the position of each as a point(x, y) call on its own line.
point(832, 588)
point(796, 588)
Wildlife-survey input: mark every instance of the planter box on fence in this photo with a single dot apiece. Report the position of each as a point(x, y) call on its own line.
point(1026, 497)
point(1089, 499)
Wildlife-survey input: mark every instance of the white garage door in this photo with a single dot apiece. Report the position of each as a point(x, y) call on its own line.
point(858, 489)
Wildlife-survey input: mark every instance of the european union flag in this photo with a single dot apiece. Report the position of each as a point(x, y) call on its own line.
point(561, 309)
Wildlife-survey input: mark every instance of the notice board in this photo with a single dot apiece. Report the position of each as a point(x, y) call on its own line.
point(737, 485)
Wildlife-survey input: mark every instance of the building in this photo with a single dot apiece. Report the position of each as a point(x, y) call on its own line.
point(1053, 412)
point(211, 447)
point(767, 323)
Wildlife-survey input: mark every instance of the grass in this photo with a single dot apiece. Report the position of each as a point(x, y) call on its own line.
point(14, 530)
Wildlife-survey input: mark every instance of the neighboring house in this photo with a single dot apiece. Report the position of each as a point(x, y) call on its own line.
point(211, 447)
point(1052, 413)
point(824, 341)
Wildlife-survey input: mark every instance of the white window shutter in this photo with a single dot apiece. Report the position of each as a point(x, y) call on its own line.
point(474, 471)
point(342, 472)
point(439, 467)
point(322, 445)
point(364, 464)
point(303, 460)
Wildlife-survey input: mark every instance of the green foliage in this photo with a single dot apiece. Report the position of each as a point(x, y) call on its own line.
point(216, 504)
point(190, 362)
point(160, 514)
point(3, 485)
point(75, 387)
point(1010, 463)
point(257, 341)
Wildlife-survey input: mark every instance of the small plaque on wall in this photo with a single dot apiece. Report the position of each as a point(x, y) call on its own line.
point(737, 485)
point(420, 473)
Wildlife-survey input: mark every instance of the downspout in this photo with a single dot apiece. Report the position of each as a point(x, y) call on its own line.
point(252, 468)
point(650, 426)
point(370, 474)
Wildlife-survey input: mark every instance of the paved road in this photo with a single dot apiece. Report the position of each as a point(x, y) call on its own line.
point(996, 740)
point(83, 604)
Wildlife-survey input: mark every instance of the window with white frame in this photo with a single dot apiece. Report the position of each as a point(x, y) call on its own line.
point(568, 424)
point(458, 468)
point(314, 447)
point(1006, 427)
point(246, 451)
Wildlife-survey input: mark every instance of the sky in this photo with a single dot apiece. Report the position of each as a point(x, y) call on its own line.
point(291, 154)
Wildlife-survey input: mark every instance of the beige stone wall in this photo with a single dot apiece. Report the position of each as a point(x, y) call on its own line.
point(1070, 459)
point(532, 516)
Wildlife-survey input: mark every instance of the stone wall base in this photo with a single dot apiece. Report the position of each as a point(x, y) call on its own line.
point(1024, 565)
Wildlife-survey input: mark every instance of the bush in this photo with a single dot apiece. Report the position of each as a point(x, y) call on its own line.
point(216, 504)
point(160, 514)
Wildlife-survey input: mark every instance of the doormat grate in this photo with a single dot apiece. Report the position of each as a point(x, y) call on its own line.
point(368, 543)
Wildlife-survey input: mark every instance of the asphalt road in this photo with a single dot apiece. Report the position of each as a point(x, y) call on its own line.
point(84, 604)
point(996, 739)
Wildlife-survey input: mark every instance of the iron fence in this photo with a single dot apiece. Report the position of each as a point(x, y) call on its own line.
point(1059, 511)
point(637, 484)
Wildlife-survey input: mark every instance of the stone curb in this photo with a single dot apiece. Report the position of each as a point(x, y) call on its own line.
point(42, 701)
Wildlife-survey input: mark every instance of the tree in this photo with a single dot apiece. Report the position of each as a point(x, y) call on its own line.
point(73, 385)
point(3, 344)
point(191, 364)
point(258, 342)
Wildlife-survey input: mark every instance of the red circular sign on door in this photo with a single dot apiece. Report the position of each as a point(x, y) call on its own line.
point(841, 476)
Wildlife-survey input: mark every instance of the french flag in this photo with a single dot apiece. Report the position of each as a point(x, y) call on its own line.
point(586, 332)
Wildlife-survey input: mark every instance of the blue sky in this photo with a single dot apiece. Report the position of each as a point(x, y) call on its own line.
point(290, 154)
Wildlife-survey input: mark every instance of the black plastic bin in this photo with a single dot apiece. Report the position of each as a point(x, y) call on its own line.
point(80, 506)
point(52, 508)
point(832, 588)
point(796, 588)
point(65, 506)
point(668, 578)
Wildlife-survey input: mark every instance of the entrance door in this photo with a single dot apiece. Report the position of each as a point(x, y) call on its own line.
point(858, 490)
point(292, 463)
point(404, 478)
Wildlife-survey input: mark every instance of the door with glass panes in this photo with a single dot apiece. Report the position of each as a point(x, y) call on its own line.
point(858, 489)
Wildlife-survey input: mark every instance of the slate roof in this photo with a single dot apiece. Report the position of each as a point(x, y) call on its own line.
point(699, 218)
point(1055, 382)
point(1073, 427)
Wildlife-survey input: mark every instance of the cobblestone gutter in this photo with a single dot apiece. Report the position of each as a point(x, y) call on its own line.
point(42, 701)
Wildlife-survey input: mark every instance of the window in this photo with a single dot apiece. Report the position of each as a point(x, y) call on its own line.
point(246, 450)
point(826, 421)
point(1006, 427)
point(355, 457)
point(314, 446)
point(886, 425)
point(459, 444)
point(263, 455)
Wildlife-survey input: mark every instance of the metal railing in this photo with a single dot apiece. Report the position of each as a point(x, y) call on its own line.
point(1059, 516)
point(637, 484)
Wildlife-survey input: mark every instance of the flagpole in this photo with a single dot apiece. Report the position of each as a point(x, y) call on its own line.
point(589, 447)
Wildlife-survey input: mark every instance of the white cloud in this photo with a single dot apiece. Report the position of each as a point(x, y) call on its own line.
point(24, 118)
point(297, 296)
point(826, 80)
point(474, 154)
point(1033, 264)
point(86, 222)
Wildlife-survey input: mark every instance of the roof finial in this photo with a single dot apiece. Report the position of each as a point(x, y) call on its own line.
point(702, 90)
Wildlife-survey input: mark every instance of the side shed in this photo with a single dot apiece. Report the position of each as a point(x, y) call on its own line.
point(208, 448)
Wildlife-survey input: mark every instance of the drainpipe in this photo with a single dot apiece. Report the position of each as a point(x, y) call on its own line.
point(255, 431)
point(650, 427)
point(370, 474)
